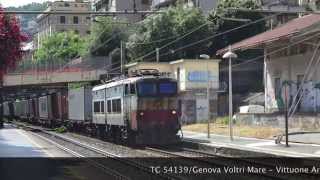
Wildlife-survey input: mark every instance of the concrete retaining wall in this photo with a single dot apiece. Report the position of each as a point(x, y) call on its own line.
point(299, 121)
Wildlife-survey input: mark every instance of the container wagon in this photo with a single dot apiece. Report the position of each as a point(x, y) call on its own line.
point(34, 110)
point(17, 109)
point(80, 109)
point(59, 104)
point(8, 110)
point(45, 111)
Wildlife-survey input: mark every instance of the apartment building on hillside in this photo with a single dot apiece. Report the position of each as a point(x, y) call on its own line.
point(50, 23)
point(205, 5)
point(124, 5)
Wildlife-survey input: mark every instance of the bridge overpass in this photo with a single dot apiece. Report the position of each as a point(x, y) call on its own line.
point(78, 70)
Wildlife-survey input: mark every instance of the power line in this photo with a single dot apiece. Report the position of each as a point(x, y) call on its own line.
point(97, 13)
point(210, 37)
point(273, 52)
point(272, 11)
point(168, 44)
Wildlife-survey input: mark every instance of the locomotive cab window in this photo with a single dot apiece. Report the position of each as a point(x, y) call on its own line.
point(116, 106)
point(126, 89)
point(109, 106)
point(147, 89)
point(167, 88)
point(96, 107)
point(102, 107)
point(132, 89)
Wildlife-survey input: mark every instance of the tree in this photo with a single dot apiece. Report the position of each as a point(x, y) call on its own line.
point(26, 18)
point(107, 34)
point(223, 20)
point(160, 29)
point(59, 48)
point(10, 48)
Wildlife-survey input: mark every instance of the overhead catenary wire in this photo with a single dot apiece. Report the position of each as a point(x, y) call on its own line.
point(219, 34)
point(176, 40)
point(96, 13)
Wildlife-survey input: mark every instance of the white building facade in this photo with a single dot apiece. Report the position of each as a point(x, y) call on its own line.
point(291, 64)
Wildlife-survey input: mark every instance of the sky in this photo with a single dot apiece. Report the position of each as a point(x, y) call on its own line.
point(16, 3)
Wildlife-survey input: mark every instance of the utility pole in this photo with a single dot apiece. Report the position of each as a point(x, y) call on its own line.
point(121, 56)
point(207, 57)
point(230, 55)
point(158, 54)
point(286, 116)
point(208, 97)
point(134, 5)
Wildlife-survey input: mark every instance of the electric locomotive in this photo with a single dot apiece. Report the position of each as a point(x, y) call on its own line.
point(142, 109)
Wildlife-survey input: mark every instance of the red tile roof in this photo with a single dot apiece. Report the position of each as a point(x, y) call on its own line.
point(284, 31)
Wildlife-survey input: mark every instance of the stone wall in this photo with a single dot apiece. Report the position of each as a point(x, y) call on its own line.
point(297, 122)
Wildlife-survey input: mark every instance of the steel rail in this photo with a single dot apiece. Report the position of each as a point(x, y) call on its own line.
point(91, 162)
point(201, 158)
point(116, 157)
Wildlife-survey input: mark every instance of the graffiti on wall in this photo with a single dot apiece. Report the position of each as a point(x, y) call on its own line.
point(310, 101)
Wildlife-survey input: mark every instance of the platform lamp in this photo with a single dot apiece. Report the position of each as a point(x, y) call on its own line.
point(230, 55)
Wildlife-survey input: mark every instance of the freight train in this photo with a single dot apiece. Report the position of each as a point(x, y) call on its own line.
point(141, 109)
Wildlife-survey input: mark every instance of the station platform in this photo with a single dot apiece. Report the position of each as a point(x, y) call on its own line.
point(309, 148)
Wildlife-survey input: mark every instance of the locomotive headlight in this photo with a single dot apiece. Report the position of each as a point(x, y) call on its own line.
point(174, 112)
point(141, 114)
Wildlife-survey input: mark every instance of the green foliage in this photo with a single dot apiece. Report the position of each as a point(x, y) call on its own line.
point(26, 18)
point(77, 85)
point(107, 33)
point(158, 30)
point(222, 21)
point(61, 129)
point(60, 48)
point(223, 120)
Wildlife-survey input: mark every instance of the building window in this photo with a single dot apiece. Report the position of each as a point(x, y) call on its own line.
point(66, 5)
point(303, 48)
point(62, 20)
point(294, 50)
point(88, 32)
point(75, 20)
point(277, 87)
point(145, 2)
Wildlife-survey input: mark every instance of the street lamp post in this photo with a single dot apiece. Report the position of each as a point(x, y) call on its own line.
point(207, 57)
point(230, 55)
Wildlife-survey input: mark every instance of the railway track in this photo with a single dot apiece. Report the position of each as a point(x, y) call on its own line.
point(179, 154)
point(99, 158)
point(217, 160)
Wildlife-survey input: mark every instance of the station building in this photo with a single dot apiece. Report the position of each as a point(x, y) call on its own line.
point(289, 59)
point(194, 78)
